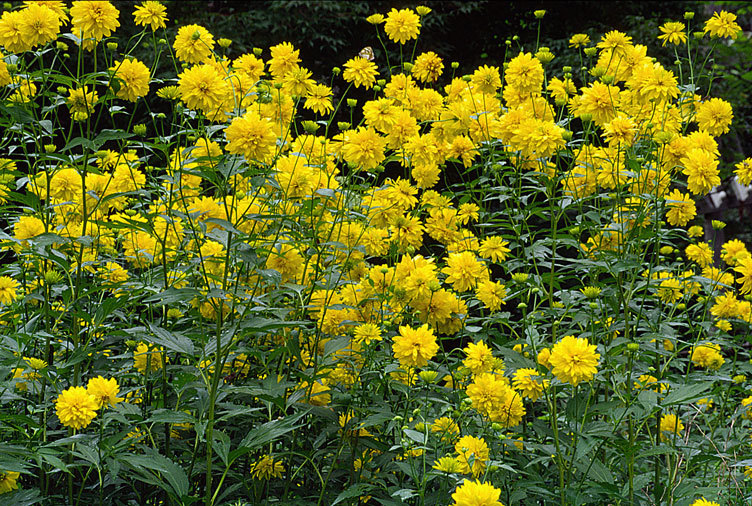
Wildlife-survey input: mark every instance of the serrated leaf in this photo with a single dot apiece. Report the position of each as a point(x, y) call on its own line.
point(686, 393)
point(269, 431)
point(172, 340)
point(353, 491)
point(169, 470)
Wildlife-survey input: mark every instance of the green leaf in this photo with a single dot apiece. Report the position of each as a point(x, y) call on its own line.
point(172, 341)
point(110, 135)
point(358, 491)
point(24, 497)
point(170, 416)
point(169, 470)
point(270, 431)
point(686, 393)
point(80, 141)
point(88, 453)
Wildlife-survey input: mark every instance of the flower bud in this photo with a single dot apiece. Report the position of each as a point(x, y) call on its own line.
point(591, 51)
point(139, 129)
point(428, 376)
point(112, 46)
point(336, 71)
point(310, 127)
point(633, 347)
point(689, 15)
point(351, 102)
point(343, 125)
point(224, 43)
point(539, 13)
point(519, 277)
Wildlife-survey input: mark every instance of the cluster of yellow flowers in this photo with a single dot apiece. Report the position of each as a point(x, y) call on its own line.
point(76, 407)
point(255, 207)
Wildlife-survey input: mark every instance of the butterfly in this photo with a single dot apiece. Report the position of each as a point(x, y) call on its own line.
point(367, 53)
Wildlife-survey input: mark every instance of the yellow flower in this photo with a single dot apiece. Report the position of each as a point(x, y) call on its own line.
point(364, 148)
point(681, 208)
point(579, 40)
point(93, 20)
point(529, 384)
point(284, 59)
point(367, 332)
point(447, 465)
point(524, 74)
point(150, 13)
point(11, 37)
point(472, 454)
point(105, 391)
point(707, 355)
point(134, 79)
point(714, 116)
point(415, 347)
point(297, 82)
point(620, 130)
point(27, 227)
point(745, 269)
point(319, 99)
point(670, 426)
point(747, 406)
point(464, 271)
point(169, 93)
point(57, 6)
point(428, 67)
point(402, 25)
point(615, 40)
point(673, 33)
point(574, 360)
point(704, 502)
point(76, 408)
point(701, 169)
point(487, 79)
point(8, 481)
point(203, 88)
point(478, 358)
point(375, 19)
point(266, 468)
point(8, 290)
point(491, 294)
point(695, 231)
point(360, 72)
point(722, 24)
point(744, 171)
point(39, 24)
point(81, 102)
point(148, 356)
point(475, 493)
point(193, 44)
point(700, 253)
point(446, 428)
point(252, 137)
